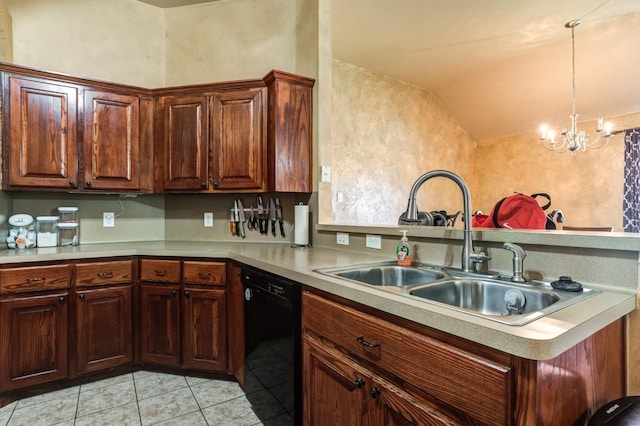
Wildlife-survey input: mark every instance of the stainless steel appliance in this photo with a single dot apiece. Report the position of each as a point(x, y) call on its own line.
point(273, 346)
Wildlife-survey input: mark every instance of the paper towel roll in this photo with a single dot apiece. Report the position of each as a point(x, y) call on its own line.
point(301, 225)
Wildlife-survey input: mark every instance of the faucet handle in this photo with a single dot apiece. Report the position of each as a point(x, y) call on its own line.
point(479, 257)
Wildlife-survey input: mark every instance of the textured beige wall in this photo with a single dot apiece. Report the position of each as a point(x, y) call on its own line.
point(385, 134)
point(115, 40)
point(586, 186)
point(6, 36)
point(229, 40)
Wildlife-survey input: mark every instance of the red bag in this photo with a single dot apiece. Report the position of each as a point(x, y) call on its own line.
point(517, 211)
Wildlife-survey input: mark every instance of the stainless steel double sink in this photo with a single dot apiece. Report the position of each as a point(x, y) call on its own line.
point(488, 296)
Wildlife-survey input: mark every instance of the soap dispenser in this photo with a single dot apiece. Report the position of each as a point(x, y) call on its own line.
point(403, 251)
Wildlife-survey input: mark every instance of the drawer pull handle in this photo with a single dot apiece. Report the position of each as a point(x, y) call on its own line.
point(374, 392)
point(359, 383)
point(367, 344)
point(204, 275)
point(105, 274)
point(35, 280)
point(160, 272)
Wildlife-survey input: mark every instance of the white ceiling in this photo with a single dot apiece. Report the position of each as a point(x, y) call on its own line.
point(501, 67)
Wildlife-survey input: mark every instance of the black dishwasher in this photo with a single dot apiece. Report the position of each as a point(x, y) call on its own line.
point(273, 346)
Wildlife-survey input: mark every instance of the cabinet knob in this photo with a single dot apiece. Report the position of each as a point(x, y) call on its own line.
point(215, 184)
point(81, 296)
point(359, 383)
point(174, 292)
point(203, 185)
point(374, 392)
point(186, 294)
point(72, 183)
point(87, 184)
point(61, 299)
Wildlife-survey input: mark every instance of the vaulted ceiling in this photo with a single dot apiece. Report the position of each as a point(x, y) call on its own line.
point(501, 67)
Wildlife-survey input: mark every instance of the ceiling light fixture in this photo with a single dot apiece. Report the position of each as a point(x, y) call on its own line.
point(574, 139)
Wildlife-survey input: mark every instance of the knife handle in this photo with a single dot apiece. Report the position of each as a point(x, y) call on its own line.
point(273, 228)
point(233, 227)
point(282, 229)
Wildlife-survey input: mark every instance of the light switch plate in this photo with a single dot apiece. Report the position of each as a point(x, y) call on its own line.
point(326, 174)
point(208, 219)
point(108, 219)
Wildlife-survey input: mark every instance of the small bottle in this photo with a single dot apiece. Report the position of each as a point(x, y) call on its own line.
point(403, 251)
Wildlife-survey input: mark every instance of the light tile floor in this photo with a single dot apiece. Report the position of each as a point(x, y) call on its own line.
point(150, 398)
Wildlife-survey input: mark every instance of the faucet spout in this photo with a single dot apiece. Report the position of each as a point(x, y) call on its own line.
point(411, 215)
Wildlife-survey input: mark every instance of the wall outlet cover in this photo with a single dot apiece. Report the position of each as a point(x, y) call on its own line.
point(342, 239)
point(108, 219)
point(208, 219)
point(374, 241)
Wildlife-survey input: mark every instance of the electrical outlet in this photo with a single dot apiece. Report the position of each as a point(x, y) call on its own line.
point(374, 241)
point(342, 239)
point(208, 219)
point(325, 176)
point(108, 219)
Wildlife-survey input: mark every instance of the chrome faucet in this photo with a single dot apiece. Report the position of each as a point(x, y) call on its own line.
point(518, 261)
point(469, 257)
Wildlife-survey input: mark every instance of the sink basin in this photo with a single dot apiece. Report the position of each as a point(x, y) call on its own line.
point(386, 275)
point(497, 300)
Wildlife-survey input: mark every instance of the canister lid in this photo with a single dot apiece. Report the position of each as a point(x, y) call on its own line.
point(67, 209)
point(67, 225)
point(47, 218)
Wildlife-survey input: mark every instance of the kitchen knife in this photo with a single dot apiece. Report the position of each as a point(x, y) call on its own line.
point(272, 211)
point(240, 218)
point(262, 218)
point(279, 216)
point(252, 218)
point(233, 221)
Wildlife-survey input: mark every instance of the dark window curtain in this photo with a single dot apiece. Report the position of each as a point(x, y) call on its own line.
point(631, 203)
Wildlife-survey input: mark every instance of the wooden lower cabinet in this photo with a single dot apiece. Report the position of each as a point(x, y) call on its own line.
point(184, 324)
point(204, 333)
point(362, 366)
point(33, 339)
point(104, 328)
point(160, 325)
point(338, 391)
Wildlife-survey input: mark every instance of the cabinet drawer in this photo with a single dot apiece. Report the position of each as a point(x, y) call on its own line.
point(32, 278)
point(207, 273)
point(463, 380)
point(101, 273)
point(165, 271)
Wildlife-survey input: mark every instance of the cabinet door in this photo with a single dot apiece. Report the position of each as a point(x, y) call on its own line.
point(290, 132)
point(42, 146)
point(186, 149)
point(111, 141)
point(33, 340)
point(237, 128)
point(333, 389)
point(204, 336)
point(104, 328)
point(160, 325)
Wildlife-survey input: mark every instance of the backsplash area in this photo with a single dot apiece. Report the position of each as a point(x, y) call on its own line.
point(150, 217)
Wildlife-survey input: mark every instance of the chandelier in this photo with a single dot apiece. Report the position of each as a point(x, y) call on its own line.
point(573, 139)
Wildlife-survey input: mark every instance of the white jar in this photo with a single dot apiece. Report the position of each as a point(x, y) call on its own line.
point(68, 214)
point(47, 231)
point(68, 234)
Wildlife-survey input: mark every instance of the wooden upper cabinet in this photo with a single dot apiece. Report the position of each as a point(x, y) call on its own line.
point(290, 132)
point(238, 120)
point(111, 141)
point(186, 146)
point(41, 121)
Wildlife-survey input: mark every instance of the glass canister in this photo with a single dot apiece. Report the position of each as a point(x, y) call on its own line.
point(68, 214)
point(47, 231)
point(68, 234)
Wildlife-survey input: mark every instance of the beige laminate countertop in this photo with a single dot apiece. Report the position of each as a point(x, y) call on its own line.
point(542, 339)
